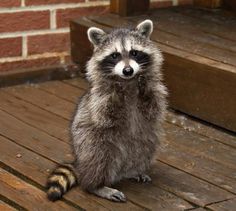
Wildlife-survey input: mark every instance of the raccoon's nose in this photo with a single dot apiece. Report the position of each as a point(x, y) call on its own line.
point(128, 71)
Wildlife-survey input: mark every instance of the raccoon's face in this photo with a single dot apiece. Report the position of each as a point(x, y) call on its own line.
point(123, 52)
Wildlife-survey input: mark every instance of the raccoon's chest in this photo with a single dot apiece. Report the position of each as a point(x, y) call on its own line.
point(135, 120)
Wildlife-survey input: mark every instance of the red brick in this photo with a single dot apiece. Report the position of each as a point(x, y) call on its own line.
point(10, 3)
point(160, 4)
point(22, 21)
point(45, 2)
point(48, 43)
point(10, 47)
point(185, 2)
point(27, 64)
point(65, 15)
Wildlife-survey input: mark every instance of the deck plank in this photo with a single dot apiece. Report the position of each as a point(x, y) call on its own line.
point(201, 128)
point(42, 99)
point(206, 147)
point(33, 139)
point(187, 186)
point(14, 188)
point(78, 82)
point(62, 90)
point(226, 30)
point(34, 116)
point(6, 207)
point(220, 17)
point(153, 197)
point(198, 166)
point(228, 205)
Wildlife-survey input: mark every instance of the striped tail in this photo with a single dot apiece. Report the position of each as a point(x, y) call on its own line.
point(61, 180)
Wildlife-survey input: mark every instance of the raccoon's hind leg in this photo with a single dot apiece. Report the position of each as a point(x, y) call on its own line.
point(110, 193)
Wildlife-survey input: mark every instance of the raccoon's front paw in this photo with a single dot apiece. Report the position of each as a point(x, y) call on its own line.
point(117, 95)
point(142, 178)
point(142, 84)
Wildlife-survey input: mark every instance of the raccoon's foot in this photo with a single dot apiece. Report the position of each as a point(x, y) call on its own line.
point(110, 193)
point(142, 178)
point(144, 92)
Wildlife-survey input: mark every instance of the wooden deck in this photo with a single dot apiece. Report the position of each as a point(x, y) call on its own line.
point(195, 169)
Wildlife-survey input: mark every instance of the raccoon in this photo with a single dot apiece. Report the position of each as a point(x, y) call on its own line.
point(118, 122)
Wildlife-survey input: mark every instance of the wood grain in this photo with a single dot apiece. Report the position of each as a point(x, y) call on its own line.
point(187, 186)
point(43, 99)
point(34, 116)
point(129, 7)
point(62, 90)
point(227, 205)
point(208, 3)
point(6, 207)
point(202, 128)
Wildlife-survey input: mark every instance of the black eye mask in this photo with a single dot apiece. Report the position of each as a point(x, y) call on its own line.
point(110, 61)
point(143, 59)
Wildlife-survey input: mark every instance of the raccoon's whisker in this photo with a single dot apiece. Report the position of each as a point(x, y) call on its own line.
point(144, 64)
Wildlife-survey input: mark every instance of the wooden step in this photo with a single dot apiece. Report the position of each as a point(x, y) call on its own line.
point(199, 51)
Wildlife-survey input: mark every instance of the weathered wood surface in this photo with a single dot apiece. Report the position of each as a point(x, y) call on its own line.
point(208, 3)
point(129, 7)
point(6, 207)
point(199, 51)
point(10, 78)
point(195, 165)
point(224, 205)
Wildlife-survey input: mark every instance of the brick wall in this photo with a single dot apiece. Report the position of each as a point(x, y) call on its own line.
point(35, 33)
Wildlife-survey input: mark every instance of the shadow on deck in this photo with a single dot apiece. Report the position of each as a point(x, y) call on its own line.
point(195, 167)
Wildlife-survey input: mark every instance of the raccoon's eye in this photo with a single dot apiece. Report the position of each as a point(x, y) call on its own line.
point(115, 55)
point(133, 53)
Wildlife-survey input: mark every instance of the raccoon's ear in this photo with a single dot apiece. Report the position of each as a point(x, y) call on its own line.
point(145, 28)
point(95, 35)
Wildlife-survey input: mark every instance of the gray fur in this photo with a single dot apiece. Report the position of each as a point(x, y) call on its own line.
point(118, 123)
